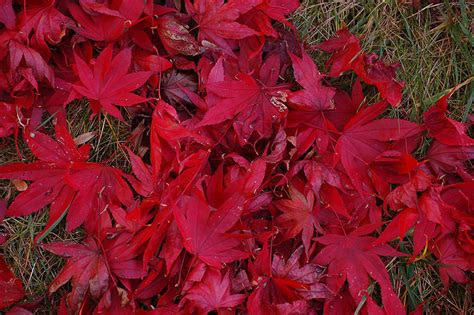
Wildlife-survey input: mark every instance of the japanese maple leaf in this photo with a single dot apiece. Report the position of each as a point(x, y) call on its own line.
point(96, 186)
point(348, 55)
point(261, 17)
point(217, 20)
point(318, 173)
point(7, 15)
point(425, 213)
point(278, 9)
point(281, 281)
point(49, 171)
point(375, 72)
point(165, 135)
point(314, 96)
point(308, 275)
point(214, 292)
point(176, 37)
point(345, 105)
point(99, 27)
point(393, 167)
point(398, 226)
point(130, 10)
point(309, 105)
point(459, 196)
point(445, 158)
point(353, 258)
point(62, 178)
point(453, 262)
point(257, 104)
point(8, 119)
point(444, 129)
point(108, 82)
point(32, 58)
point(364, 138)
point(344, 47)
point(91, 265)
point(298, 215)
point(86, 267)
point(204, 232)
point(172, 84)
point(142, 182)
point(11, 287)
point(48, 23)
point(151, 62)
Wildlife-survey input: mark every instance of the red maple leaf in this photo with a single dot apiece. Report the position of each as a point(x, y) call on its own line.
point(245, 142)
point(103, 25)
point(344, 47)
point(445, 158)
point(217, 20)
point(353, 258)
point(314, 96)
point(47, 22)
point(108, 82)
point(62, 178)
point(92, 265)
point(398, 226)
point(375, 72)
point(11, 287)
point(256, 103)
point(214, 293)
point(364, 138)
point(298, 216)
point(345, 105)
point(32, 59)
point(261, 17)
point(459, 196)
point(8, 119)
point(7, 15)
point(444, 129)
point(281, 281)
point(453, 262)
point(176, 37)
point(348, 55)
point(310, 105)
point(205, 233)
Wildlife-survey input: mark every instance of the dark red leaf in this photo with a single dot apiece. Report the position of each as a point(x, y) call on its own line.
point(11, 287)
point(214, 293)
point(175, 37)
point(204, 232)
point(108, 82)
point(7, 15)
point(353, 258)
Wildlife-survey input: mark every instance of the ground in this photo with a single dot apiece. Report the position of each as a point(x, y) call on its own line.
point(432, 42)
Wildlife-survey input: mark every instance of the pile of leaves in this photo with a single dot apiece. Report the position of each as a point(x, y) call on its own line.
point(258, 184)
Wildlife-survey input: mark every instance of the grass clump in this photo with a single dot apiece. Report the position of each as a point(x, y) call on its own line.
point(433, 45)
